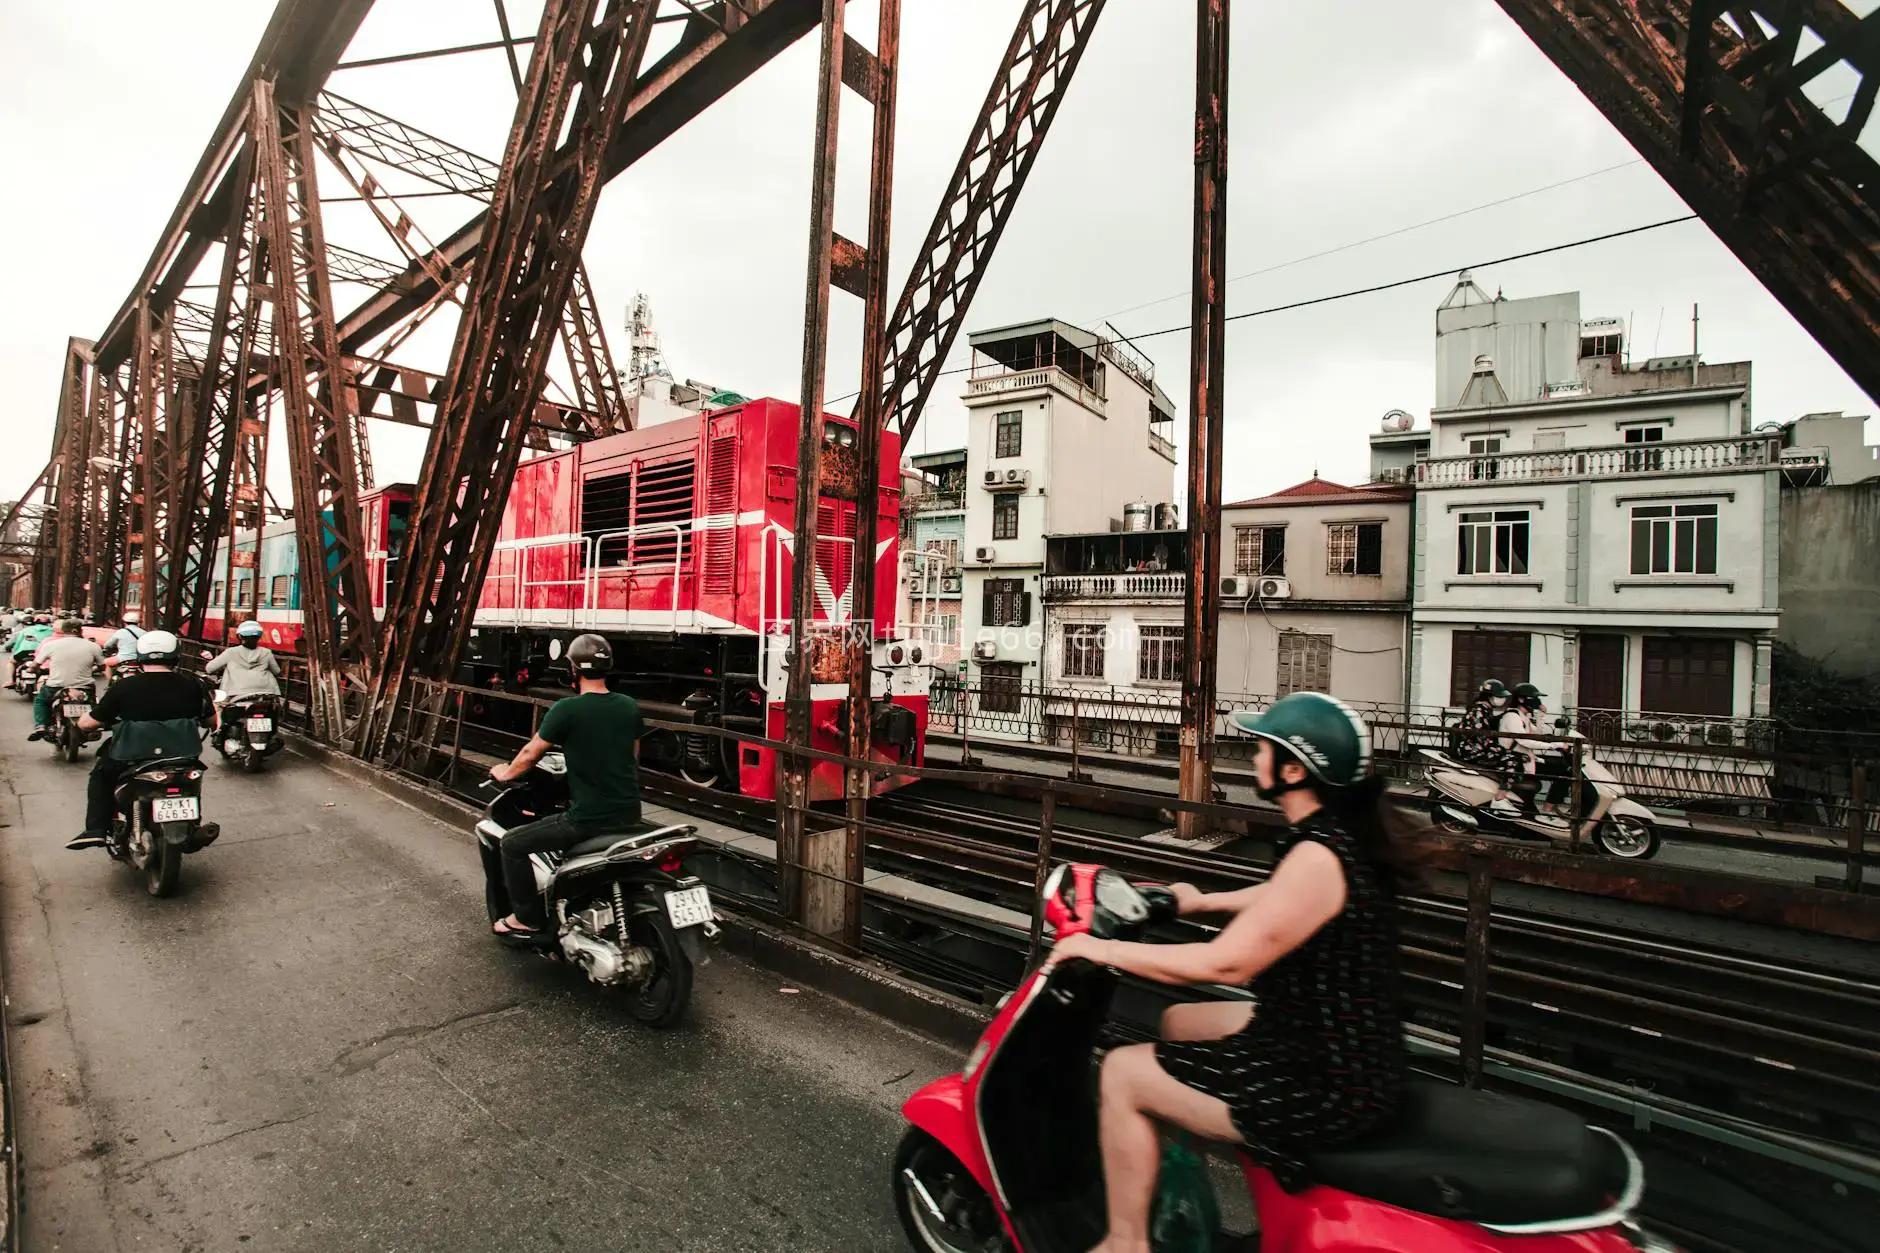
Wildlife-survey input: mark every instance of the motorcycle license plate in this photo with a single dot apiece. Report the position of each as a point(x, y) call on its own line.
point(77, 709)
point(175, 809)
point(261, 724)
point(689, 907)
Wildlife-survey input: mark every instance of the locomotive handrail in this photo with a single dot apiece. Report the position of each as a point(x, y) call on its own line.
point(592, 592)
point(523, 547)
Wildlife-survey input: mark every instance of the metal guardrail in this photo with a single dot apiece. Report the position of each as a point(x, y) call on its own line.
point(1700, 456)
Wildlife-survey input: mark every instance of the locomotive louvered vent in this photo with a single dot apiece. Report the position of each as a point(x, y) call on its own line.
point(835, 528)
point(625, 510)
point(719, 542)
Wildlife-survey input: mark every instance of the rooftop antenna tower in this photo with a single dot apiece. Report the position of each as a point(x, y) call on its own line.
point(645, 359)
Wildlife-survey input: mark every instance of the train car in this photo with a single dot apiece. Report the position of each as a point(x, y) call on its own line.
point(675, 541)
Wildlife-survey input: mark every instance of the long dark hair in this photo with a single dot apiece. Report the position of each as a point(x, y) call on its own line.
point(1366, 810)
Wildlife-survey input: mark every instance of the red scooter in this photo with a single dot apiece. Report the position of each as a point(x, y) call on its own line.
point(1003, 1157)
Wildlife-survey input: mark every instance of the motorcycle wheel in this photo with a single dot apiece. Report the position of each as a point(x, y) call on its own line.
point(661, 1000)
point(161, 865)
point(1442, 819)
point(69, 741)
point(1634, 839)
point(967, 1222)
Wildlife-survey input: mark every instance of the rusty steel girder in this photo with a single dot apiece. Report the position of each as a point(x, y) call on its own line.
point(323, 452)
point(73, 440)
point(1713, 95)
point(1207, 369)
point(1026, 90)
point(580, 80)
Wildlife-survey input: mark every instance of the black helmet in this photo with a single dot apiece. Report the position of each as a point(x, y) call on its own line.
point(590, 656)
point(1490, 689)
point(1527, 694)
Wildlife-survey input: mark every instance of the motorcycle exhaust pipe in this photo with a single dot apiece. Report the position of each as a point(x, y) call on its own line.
point(1461, 815)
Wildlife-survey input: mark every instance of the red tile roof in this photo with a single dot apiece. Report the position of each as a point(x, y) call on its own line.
point(1318, 491)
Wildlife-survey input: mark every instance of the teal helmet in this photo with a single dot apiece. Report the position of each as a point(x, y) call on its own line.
point(1329, 739)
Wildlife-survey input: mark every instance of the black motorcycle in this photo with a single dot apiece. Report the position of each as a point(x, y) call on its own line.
point(250, 730)
point(25, 677)
point(620, 906)
point(66, 738)
point(159, 819)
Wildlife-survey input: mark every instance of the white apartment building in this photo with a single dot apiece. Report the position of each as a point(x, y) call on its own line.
point(1606, 532)
point(1062, 425)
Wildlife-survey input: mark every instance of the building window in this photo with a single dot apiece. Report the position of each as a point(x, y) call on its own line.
point(1160, 658)
point(1644, 460)
point(1485, 446)
point(1600, 345)
point(1083, 651)
point(1005, 516)
point(1008, 434)
point(1305, 663)
point(1001, 687)
point(1259, 550)
point(1492, 542)
point(1477, 656)
point(1674, 539)
point(949, 629)
point(278, 592)
point(1354, 548)
point(1005, 603)
point(940, 558)
point(1686, 674)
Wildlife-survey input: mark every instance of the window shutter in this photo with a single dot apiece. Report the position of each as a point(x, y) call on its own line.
point(986, 600)
point(1024, 609)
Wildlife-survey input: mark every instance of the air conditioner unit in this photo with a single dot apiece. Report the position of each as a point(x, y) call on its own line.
point(1236, 587)
point(985, 554)
point(1274, 588)
point(993, 478)
point(950, 583)
point(985, 650)
point(1017, 478)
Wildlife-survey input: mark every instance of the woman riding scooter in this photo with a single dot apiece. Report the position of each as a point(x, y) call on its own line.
point(1321, 1062)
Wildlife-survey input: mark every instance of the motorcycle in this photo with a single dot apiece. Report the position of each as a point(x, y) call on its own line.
point(159, 819)
point(620, 907)
point(66, 738)
point(25, 677)
point(1461, 800)
point(249, 730)
point(1003, 1157)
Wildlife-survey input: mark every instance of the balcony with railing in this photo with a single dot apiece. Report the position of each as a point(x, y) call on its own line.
point(1160, 442)
point(1668, 457)
point(1157, 586)
point(999, 381)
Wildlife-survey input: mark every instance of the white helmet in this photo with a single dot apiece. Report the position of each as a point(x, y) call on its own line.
point(132, 617)
point(158, 647)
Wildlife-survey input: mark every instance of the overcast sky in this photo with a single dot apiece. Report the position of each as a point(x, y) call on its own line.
point(1350, 119)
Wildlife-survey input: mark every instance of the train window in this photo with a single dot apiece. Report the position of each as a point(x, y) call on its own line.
point(278, 593)
point(215, 597)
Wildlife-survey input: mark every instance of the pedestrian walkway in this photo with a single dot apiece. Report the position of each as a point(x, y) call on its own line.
point(316, 1046)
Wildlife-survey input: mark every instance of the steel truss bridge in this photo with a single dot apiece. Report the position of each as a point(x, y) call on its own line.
point(232, 334)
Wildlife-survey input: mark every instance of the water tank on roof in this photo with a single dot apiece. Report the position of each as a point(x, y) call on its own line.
point(1137, 517)
point(1397, 420)
point(1167, 519)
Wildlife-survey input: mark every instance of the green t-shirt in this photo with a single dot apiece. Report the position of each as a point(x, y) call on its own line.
point(596, 732)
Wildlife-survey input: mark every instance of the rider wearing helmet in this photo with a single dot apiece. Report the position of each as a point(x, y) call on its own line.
point(598, 733)
point(1321, 1063)
point(247, 668)
point(122, 646)
point(1521, 719)
point(31, 635)
point(171, 702)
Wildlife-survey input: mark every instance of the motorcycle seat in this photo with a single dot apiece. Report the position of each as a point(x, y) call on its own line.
point(1482, 1157)
point(632, 833)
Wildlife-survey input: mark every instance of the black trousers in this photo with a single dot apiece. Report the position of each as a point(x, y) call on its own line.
point(100, 804)
point(545, 835)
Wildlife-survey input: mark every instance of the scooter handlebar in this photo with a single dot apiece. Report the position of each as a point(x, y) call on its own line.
point(1163, 907)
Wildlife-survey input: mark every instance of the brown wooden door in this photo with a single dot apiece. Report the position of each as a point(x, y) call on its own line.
point(1685, 674)
point(1602, 686)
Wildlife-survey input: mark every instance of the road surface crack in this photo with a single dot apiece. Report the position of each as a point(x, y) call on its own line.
point(370, 1053)
point(144, 1166)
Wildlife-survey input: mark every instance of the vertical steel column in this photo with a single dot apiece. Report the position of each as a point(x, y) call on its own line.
point(74, 456)
point(1206, 363)
point(144, 494)
point(874, 79)
point(795, 857)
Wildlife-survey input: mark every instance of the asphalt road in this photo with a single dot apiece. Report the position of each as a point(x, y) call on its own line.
point(315, 1046)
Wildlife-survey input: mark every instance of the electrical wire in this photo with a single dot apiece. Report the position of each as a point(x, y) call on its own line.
point(1375, 288)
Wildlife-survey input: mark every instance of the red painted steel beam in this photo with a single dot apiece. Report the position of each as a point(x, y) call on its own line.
point(1720, 112)
point(1207, 367)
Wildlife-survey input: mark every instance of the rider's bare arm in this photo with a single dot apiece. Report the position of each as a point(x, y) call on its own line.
point(521, 763)
point(1197, 902)
point(1308, 891)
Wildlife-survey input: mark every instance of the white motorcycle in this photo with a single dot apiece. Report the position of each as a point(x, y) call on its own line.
point(1462, 800)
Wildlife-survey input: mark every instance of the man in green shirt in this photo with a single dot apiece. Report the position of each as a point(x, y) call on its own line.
point(598, 732)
